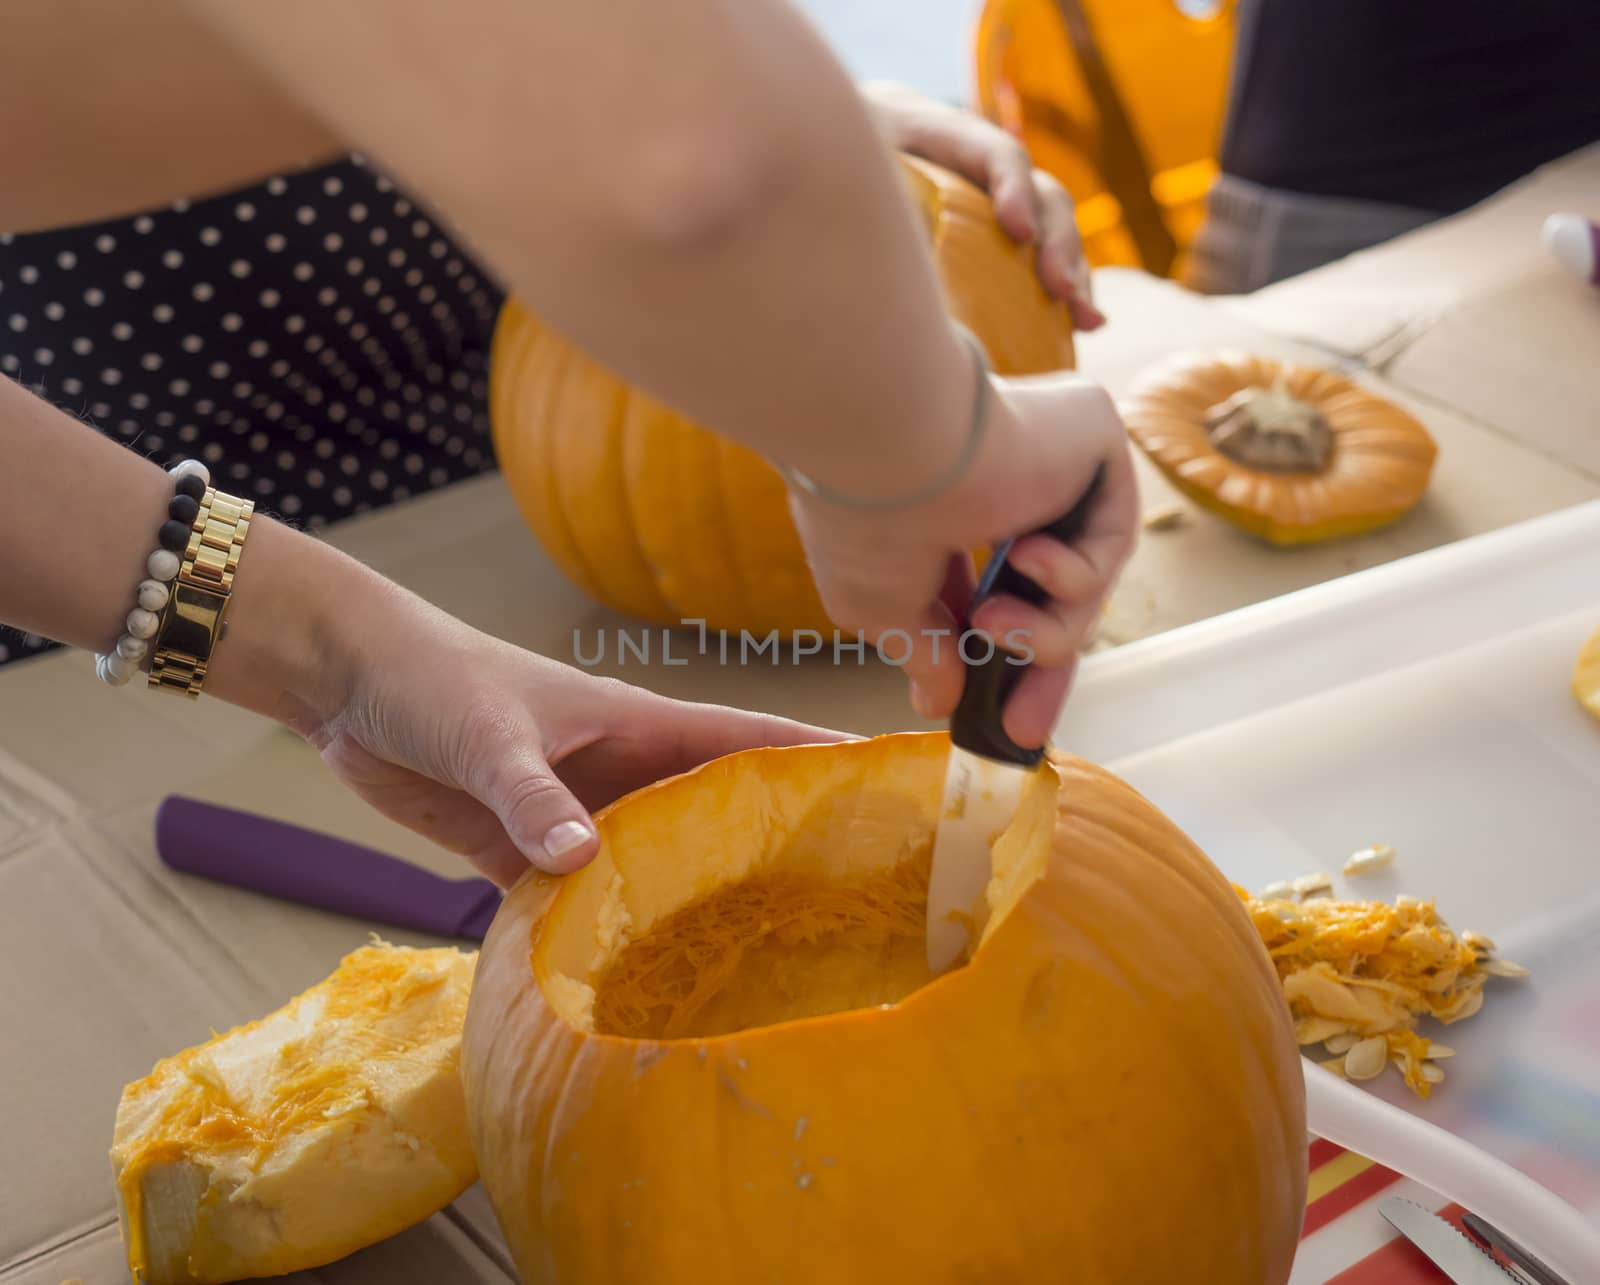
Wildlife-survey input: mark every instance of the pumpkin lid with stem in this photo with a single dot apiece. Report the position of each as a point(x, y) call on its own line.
point(1288, 451)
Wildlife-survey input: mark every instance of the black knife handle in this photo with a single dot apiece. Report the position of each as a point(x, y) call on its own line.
point(978, 723)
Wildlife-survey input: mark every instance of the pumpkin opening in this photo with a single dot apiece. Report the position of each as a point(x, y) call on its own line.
point(823, 911)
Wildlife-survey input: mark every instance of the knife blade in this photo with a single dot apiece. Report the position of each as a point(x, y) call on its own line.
point(1524, 1262)
point(1444, 1244)
point(312, 869)
point(986, 771)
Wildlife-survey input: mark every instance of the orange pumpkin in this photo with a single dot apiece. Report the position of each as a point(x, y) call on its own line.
point(1289, 452)
point(658, 518)
point(1123, 101)
point(716, 1054)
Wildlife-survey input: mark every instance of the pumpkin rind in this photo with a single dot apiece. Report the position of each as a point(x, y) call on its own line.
point(653, 516)
point(1110, 1087)
point(1379, 467)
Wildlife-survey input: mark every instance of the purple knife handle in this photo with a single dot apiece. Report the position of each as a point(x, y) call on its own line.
point(292, 864)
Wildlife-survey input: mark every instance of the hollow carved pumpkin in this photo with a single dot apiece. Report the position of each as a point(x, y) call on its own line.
point(1289, 452)
point(716, 1054)
point(657, 518)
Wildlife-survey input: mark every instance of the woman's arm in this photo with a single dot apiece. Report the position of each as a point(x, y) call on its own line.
point(500, 760)
point(78, 519)
point(693, 191)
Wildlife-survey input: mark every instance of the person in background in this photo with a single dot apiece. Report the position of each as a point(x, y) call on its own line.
point(696, 195)
point(1353, 121)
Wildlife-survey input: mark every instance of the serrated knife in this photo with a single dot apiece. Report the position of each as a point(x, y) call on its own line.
point(1446, 1246)
point(986, 771)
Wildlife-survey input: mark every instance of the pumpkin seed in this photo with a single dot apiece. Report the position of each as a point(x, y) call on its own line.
point(1317, 885)
point(1432, 1074)
point(1283, 890)
point(1439, 1050)
point(1478, 942)
point(1341, 1043)
point(1502, 968)
point(1314, 1030)
point(1367, 1059)
point(1465, 1007)
point(1165, 518)
point(1367, 860)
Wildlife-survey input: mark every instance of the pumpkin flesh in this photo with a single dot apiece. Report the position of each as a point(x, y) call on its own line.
point(290, 1142)
point(717, 1054)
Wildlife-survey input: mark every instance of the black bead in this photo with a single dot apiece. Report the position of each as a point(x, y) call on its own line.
point(174, 535)
point(183, 508)
point(191, 485)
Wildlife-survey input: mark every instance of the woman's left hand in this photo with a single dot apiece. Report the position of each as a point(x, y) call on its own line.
point(1031, 205)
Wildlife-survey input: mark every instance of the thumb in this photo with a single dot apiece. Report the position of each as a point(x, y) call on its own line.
point(540, 816)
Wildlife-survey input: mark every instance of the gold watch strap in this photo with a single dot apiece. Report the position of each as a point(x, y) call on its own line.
point(192, 621)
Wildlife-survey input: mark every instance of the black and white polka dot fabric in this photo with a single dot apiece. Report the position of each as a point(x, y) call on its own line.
point(318, 340)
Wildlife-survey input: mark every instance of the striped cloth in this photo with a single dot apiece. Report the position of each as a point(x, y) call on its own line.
point(1346, 1241)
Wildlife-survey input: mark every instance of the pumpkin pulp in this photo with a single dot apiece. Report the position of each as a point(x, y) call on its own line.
point(826, 918)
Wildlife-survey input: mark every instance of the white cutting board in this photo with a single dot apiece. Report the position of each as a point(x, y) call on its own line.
point(1427, 705)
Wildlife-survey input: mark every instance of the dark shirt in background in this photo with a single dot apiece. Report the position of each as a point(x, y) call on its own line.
point(1429, 104)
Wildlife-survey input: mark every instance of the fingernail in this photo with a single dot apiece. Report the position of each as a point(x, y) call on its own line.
point(564, 839)
point(919, 701)
point(1085, 316)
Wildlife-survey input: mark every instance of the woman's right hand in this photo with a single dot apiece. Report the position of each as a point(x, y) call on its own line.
point(911, 571)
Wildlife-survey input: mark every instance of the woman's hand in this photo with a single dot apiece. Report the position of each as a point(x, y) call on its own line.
point(1031, 205)
point(503, 758)
point(909, 571)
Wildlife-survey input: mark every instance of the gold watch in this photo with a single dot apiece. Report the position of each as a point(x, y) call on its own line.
point(193, 620)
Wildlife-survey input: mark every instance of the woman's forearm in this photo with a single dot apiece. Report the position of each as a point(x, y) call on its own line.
point(78, 521)
point(691, 190)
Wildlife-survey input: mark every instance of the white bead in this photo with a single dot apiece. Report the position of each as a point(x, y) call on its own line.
point(184, 468)
point(142, 623)
point(121, 668)
point(103, 671)
point(162, 564)
point(132, 648)
point(152, 594)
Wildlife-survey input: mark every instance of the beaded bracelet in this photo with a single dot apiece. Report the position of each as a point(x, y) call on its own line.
point(190, 480)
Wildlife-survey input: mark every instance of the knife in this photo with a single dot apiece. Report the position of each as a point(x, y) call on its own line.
point(312, 869)
point(1497, 1240)
point(1448, 1249)
point(986, 771)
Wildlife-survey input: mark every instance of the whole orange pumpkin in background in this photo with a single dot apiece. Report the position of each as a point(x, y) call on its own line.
point(716, 1054)
point(657, 518)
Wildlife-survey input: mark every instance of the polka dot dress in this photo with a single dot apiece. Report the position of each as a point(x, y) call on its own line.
point(318, 340)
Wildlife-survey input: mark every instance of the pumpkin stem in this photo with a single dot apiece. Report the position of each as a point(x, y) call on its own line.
point(1266, 428)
